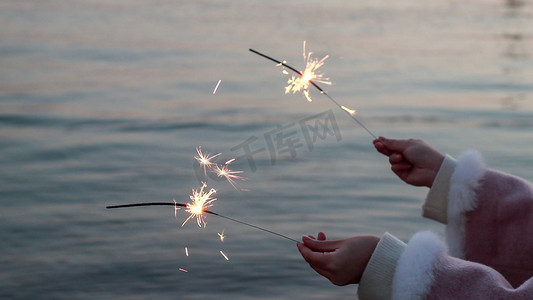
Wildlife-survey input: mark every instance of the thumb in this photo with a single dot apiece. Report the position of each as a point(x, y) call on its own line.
point(320, 246)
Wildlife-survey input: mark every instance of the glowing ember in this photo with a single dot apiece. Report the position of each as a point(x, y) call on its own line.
point(352, 112)
point(309, 75)
point(222, 253)
point(221, 236)
point(204, 159)
point(183, 270)
point(200, 200)
point(186, 251)
point(216, 87)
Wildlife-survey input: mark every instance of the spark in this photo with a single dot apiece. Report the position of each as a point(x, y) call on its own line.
point(183, 270)
point(204, 159)
point(176, 208)
point(352, 112)
point(200, 201)
point(186, 251)
point(310, 74)
point(221, 236)
point(216, 87)
point(224, 255)
point(226, 172)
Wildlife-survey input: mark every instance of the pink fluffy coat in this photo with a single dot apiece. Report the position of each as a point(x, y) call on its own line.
point(490, 236)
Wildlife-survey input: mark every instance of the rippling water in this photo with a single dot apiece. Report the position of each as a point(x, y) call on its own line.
point(104, 103)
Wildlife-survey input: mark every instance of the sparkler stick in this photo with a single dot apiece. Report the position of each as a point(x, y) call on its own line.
point(204, 210)
point(350, 112)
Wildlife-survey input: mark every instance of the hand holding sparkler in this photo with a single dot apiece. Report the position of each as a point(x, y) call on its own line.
point(414, 161)
point(340, 261)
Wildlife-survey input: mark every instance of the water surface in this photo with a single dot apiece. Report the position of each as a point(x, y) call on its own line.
point(104, 103)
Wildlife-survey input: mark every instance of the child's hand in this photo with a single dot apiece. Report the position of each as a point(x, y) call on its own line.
point(341, 261)
point(414, 161)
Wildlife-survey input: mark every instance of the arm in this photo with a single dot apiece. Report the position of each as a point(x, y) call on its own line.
point(422, 269)
point(425, 270)
point(490, 218)
point(489, 214)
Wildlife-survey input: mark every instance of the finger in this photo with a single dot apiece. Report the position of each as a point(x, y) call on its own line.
point(320, 245)
point(307, 253)
point(403, 175)
point(396, 158)
point(321, 236)
point(322, 272)
point(317, 260)
point(395, 145)
point(400, 167)
point(381, 148)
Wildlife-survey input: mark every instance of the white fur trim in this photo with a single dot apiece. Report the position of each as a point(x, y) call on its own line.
point(462, 198)
point(414, 272)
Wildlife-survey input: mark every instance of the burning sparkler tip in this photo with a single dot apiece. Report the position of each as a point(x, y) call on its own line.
point(308, 77)
point(200, 200)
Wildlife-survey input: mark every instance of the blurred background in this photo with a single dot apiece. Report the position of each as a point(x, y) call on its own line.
point(104, 102)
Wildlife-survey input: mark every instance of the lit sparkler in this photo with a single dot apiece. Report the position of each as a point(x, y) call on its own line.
point(309, 77)
point(176, 204)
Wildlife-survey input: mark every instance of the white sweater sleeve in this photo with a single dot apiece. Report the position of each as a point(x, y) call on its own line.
point(376, 282)
point(436, 205)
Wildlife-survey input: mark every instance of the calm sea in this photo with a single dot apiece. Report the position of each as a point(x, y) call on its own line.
point(103, 103)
